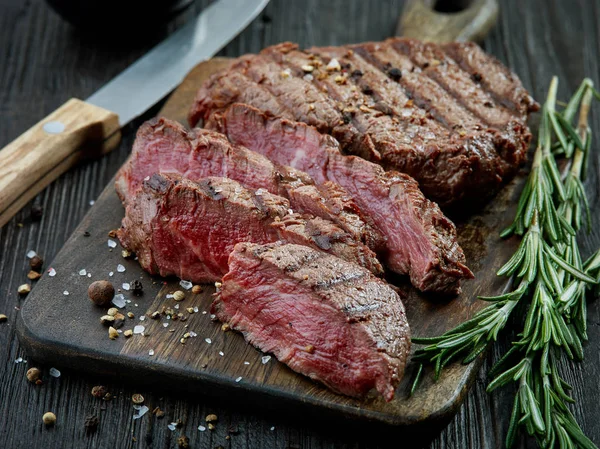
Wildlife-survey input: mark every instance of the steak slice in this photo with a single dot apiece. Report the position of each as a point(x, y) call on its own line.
point(165, 146)
point(420, 240)
point(414, 107)
point(324, 317)
point(188, 229)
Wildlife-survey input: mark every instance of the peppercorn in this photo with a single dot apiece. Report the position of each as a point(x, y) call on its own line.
point(112, 333)
point(183, 441)
point(33, 275)
point(24, 289)
point(99, 391)
point(136, 287)
point(36, 212)
point(395, 73)
point(91, 423)
point(49, 418)
point(33, 375)
point(36, 263)
point(3, 318)
point(196, 289)
point(101, 293)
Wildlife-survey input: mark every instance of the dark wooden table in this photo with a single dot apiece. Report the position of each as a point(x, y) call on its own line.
point(43, 62)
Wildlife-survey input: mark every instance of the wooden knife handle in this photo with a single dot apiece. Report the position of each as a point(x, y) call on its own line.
point(75, 131)
point(466, 20)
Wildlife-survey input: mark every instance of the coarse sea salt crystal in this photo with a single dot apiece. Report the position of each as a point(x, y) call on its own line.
point(186, 284)
point(208, 340)
point(204, 312)
point(265, 359)
point(89, 275)
point(172, 426)
point(54, 372)
point(165, 324)
point(111, 274)
point(238, 379)
point(92, 202)
point(120, 268)
point(143, 317)
point(221, 353)
point(138, 329)
point(112, 243)
point(151, 352)
point(19, 360)
point(246, 363)
point(126, 286)
point(201, 428)
point(66, 293)
point(51, 272)
point(193, 334)
point(31, 254)
point(140, 411)
point(119, 301)
point(169, 295)
point(196, 309)
point(176, 306)
point(82, 272)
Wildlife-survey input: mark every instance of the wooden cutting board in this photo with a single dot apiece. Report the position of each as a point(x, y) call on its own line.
point(58, 323)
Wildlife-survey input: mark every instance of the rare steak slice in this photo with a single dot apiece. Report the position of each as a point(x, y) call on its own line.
point(419, 239)
point(165, 146)
point(324, 317)
point(187, 229)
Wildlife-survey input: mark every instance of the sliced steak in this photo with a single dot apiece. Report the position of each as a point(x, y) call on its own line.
point(165, 146)
point(418, 108)
point(324, 317)
point(188, 229)
point(420, 240)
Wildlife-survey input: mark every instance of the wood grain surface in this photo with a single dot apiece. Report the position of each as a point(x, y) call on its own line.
point(44, 63)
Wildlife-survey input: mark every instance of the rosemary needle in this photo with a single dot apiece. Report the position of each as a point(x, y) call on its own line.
point(548, 278)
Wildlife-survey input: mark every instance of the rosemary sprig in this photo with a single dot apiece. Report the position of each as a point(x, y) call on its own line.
point(547, 278)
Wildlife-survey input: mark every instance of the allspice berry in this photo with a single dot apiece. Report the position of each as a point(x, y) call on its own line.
point(49, 418)
point(101, 293)
point(33, 375)
point(36, 263)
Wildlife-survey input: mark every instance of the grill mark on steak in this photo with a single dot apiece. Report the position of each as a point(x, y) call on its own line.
point(419, 241)
point(403, 104)
point(305, 101)
point(435, 64)
point(352, 336)
point(165, 146)
point(188, 229)
point(493, 76)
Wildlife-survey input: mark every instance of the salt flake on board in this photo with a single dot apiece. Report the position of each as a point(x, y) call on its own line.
point(139, 329)
point(186, 284)
point(112, 243)
point(54, 372)
point(119, 301)
point(140, 411)
point(31, 254)
point(120, 268)
point(51, 272)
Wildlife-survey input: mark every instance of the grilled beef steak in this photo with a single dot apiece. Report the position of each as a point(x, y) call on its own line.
point(420, 240)
point(450, 116)
point(324, 317)
point(183, 228)
point(165, 146)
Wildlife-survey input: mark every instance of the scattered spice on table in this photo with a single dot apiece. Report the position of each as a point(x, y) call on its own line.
point(36, 263)
point(91, 423)
point(3, 318)
point(24, 289)
point(112, 333)
point(137, 399)
point(99, 391)
point(101, 293)
point(49, 419)
point(183, 442)
point(34, 375)
point(33, 275)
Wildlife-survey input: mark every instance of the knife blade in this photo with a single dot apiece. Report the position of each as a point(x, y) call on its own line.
point(82, 129)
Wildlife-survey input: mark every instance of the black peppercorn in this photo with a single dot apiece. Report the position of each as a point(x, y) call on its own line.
point(136, 287)
point(395, 73)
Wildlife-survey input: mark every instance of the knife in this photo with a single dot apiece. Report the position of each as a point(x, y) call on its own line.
point(84, 129)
